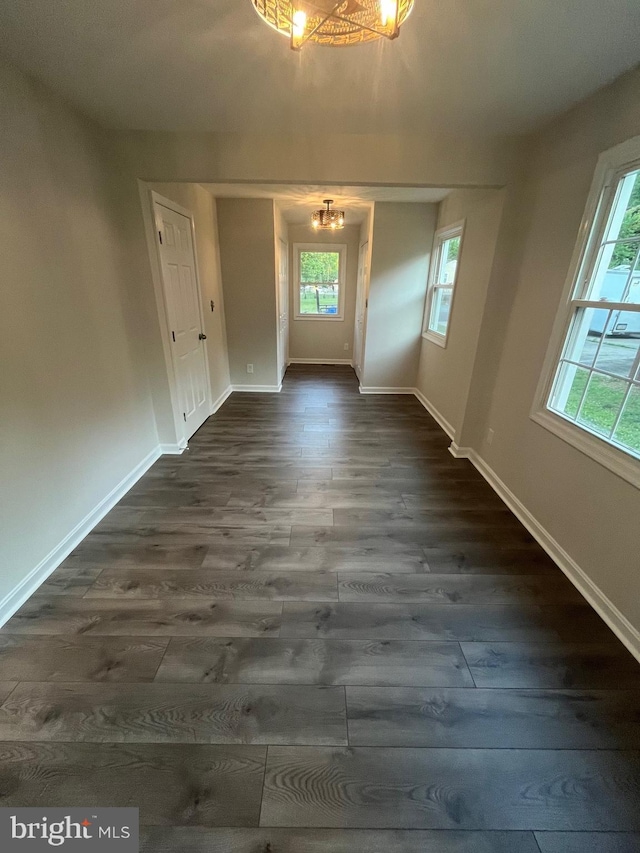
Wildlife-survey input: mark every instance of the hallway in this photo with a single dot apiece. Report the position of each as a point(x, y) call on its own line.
point(318, 631)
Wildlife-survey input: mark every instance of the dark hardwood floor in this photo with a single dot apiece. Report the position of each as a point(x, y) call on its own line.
point(317, 632)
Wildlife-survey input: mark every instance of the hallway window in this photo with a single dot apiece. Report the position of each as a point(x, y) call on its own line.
point(444, 272)
point(593, 386)
point(319, 279)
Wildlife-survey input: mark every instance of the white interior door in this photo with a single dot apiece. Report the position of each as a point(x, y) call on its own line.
point(361, 308)
point(283, 306)
point(184, 315)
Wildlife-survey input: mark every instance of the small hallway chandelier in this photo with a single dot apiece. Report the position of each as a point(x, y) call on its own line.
point(327, 218)
point(334, 23)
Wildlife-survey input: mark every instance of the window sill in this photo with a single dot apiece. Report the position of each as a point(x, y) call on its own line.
point(323, 318)
point(617, 461)
point(440, 340)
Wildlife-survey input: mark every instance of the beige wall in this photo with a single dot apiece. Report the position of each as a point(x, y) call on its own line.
point(591, 512)
point(444, 373)
point(247, 260)
point(203, 207)
point(76, 410)
point(421, 160)
point(324, 339)
point(400, 255)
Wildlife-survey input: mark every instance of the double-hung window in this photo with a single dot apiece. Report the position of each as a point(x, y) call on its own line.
point(444, 272)
point(590, 394)
point(319, 270)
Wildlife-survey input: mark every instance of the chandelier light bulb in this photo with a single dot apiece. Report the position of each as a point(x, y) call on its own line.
point(299, 23)
point(388, 10)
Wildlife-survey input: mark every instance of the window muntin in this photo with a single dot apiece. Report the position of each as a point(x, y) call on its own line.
point(444, 273)
point(319, 281)
point(596, 382)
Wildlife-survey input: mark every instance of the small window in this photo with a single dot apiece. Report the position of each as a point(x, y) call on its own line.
point(444, 271)
point(319, 279)
point(593, 382)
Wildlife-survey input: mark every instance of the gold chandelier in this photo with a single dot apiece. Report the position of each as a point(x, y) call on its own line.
point(327, 218)
point(335, 23)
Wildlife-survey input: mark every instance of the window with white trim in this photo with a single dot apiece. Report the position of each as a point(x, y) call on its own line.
point(444, 273)
point(594, 381)
point(319, 270)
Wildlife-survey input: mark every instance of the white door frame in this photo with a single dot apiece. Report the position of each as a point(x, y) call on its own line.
point(282, 253)
point(362, 300)
point(163, 314)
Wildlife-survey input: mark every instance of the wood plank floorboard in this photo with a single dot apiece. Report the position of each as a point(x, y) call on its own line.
point(172, 535)
point(315, 631)
point(489, 560)
point(494, 719)
point(157, 498)
point(465, 622)
point(147, 617)
point(408, 560)
point(224, 476)
point(187, 583)
point(284, 499)
point(281, 661)
point(588, 842)
point(451, 788)
point(458, 519)
point(264, 840)
point(102, 555)
point(171, 784)
point(455, 589)
point(433, 536)
point(536, 664)
point(238, 441)
point(70, 579)
point(164, 713)
point(234, 516)
point(80, 658)
point(414, 487)
point(421, 475)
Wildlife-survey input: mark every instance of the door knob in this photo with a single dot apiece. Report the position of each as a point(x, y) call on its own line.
point(202, 336)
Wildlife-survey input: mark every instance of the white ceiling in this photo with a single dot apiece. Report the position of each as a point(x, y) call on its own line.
point(489, 66)
point(298, 202)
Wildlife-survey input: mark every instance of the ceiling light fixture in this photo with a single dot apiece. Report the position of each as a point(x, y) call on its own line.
point(327, 218)
point(334, 23)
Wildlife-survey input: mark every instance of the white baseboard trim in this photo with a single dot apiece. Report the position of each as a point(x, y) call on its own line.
point(217, 403)
point(321, 361)
point(460, 452)
point(605, 608)
point(375, 389)
point(258, 389)
point(29, 584)
point(435, 414)
point(172, 449)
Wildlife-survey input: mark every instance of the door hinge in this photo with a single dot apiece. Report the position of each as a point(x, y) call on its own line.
point(184, 415)
point(160, 236)
point(173, 335)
